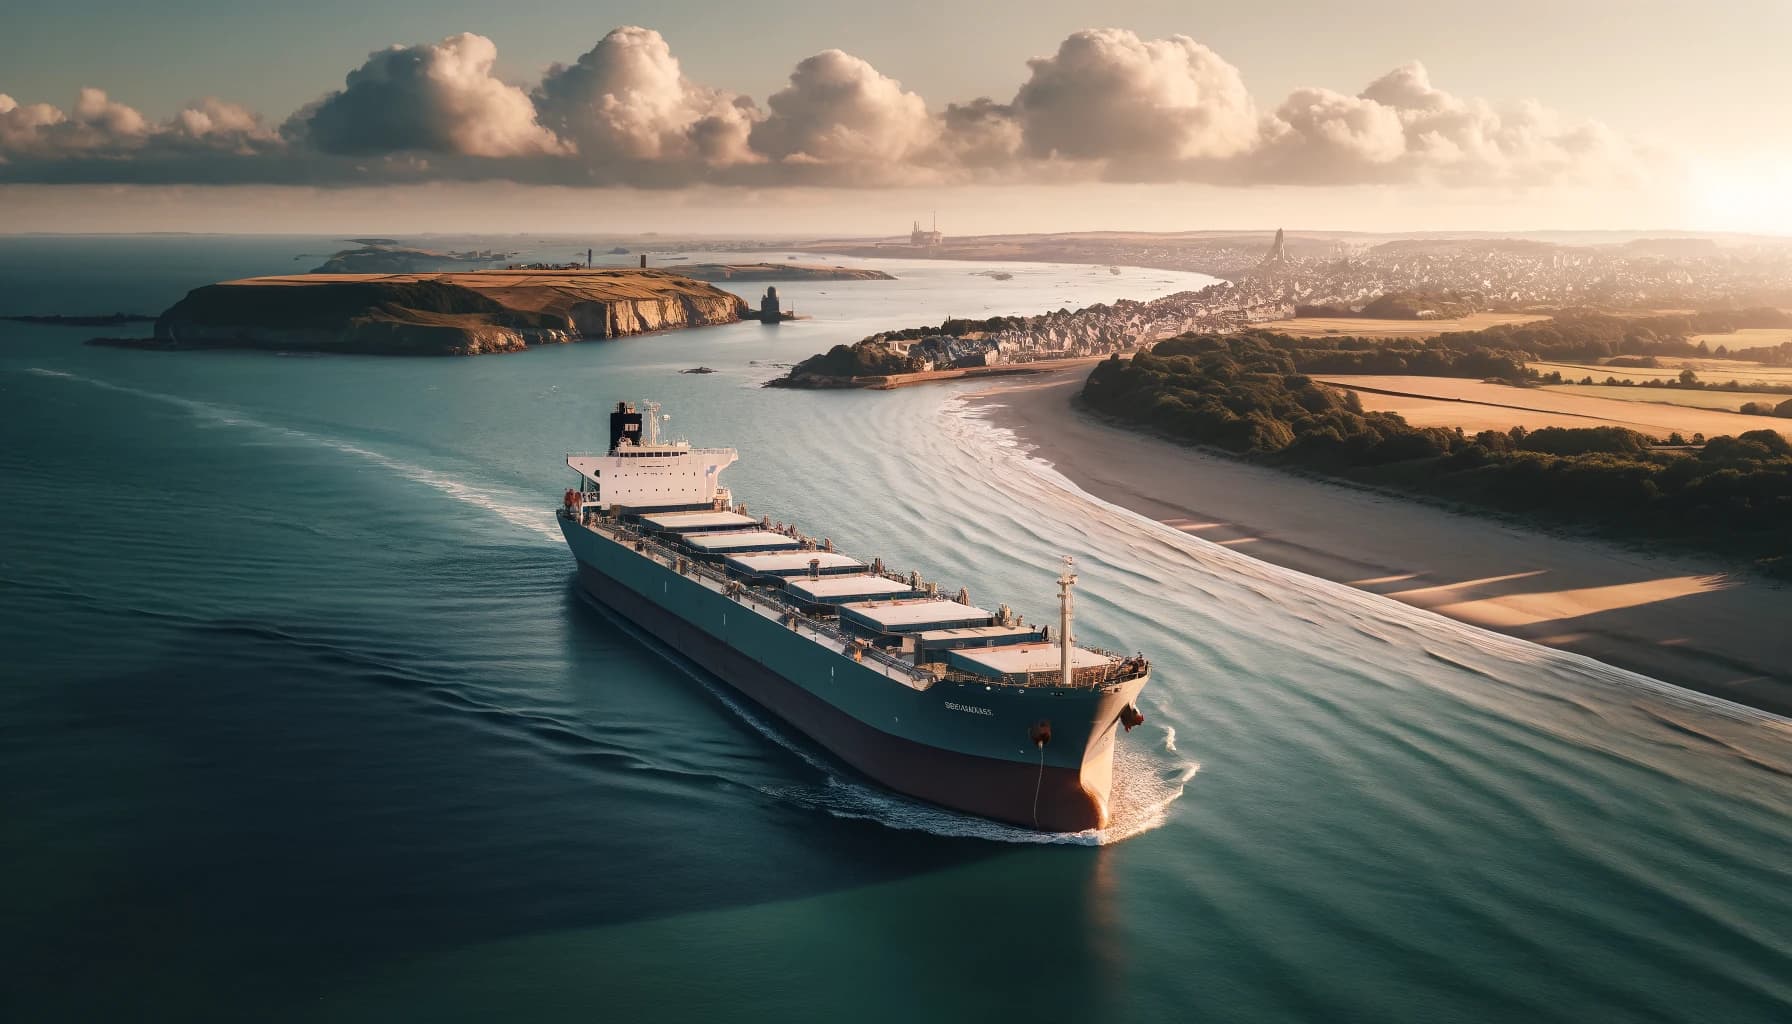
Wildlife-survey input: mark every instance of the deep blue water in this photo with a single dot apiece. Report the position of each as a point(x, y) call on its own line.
point(303, 721)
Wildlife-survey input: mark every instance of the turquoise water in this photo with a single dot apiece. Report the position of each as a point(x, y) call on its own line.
point(304, 721)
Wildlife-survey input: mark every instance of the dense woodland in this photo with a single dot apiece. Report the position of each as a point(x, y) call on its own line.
point(958, 327)
point(1250, 395)
point(864, 359)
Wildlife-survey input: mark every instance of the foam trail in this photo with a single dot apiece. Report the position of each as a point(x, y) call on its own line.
point(1143, 788)
point(525, 517)
point(522, 516)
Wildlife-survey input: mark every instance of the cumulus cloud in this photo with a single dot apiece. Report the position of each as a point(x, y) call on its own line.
point(839, 112)
point(94, 125)
point(1109, 95)
point(628, 100)
point(980, 134)
point(99, 139)
point(22, 125)
point(1321, 135)
point(434, 97)
point(212, 118)
point(1106, 105)
point(1402, 128)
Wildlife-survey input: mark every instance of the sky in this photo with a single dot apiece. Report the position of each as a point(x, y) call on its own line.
point(846, 117)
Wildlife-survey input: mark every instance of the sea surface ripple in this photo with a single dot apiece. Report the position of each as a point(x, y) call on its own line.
point(306, 721)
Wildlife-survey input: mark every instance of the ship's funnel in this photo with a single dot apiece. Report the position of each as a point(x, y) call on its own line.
point(625, 424)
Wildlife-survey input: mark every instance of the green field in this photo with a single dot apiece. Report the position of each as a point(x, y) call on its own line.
point(1728, 401)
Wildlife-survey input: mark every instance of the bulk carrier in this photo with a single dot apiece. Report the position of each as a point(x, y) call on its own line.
point(971, 709)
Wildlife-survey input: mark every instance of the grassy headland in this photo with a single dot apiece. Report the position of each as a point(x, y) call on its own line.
point(437, 314)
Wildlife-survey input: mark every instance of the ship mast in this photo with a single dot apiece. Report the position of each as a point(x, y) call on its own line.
point(653, 422)
point(1066, 580)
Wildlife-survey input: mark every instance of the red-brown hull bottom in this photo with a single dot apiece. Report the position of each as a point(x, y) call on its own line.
point(1036, 796)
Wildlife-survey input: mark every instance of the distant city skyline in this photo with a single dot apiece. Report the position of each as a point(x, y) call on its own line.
point(816, 119)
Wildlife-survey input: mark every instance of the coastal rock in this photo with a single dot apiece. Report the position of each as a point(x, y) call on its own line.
point(440, 314)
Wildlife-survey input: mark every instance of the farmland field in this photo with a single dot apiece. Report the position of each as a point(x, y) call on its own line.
point(1748, 337)
point(1719, 370)
point(1364, 327)
point(1475, 405)
point(1728, 401)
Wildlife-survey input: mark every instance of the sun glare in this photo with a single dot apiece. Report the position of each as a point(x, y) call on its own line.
point(1753, 199)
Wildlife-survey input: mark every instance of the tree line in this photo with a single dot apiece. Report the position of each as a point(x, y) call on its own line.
point(1582, 335)
point(1247, 395)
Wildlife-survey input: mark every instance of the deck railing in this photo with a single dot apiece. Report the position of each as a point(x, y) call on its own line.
point(794, 617)
point(787, 611)
point(1090, 678)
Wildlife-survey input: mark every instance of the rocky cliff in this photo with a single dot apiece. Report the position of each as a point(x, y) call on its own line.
point(440, 314)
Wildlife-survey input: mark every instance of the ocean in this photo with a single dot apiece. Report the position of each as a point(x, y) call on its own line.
point(304, 720)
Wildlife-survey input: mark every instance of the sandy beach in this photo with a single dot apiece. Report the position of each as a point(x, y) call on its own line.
point(1677, 619)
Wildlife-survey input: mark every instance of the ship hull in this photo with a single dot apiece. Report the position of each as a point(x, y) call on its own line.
point(1063, 787)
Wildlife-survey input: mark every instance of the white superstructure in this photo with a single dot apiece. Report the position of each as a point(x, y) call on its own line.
point(646, 472)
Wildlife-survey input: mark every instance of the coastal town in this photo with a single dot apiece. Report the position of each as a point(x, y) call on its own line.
point(1265, 279)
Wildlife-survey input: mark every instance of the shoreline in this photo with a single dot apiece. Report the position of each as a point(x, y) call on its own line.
point(892, 381)
point(1677, 619)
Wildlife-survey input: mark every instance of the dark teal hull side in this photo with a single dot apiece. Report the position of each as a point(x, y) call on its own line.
point(962, 746)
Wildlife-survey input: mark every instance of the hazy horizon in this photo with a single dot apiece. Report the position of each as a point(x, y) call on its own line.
point(1593, 236)
point(809, 119)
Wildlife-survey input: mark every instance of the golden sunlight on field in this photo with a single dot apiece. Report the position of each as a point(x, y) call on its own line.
point(1697, 398)
point(1747, 337)
point(1476, 406)
point(1364, 327)
point(1709, 370)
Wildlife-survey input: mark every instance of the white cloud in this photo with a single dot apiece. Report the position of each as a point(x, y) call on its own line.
point(94, 125)
point(628, 99)
point(213, 118)
point(1108, 95)
point(22, 125)
point(1402, 128)
point(433, 97)
point(838, 111)
point(980, 134)
point(1106, 105)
